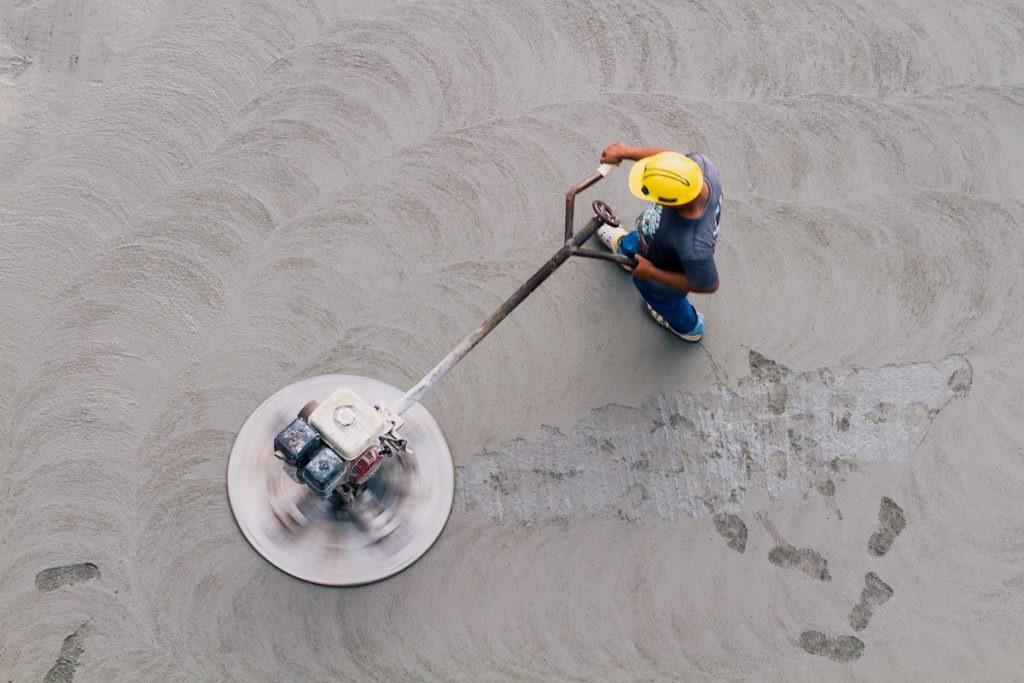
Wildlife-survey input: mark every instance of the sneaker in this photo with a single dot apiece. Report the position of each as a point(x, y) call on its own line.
point(693, 335)
point(610, 237)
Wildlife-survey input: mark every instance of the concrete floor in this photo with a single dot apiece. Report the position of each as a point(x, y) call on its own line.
point(203, 202)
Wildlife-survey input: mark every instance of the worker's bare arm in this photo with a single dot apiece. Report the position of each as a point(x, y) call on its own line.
point(617, 151)
point(645, 270)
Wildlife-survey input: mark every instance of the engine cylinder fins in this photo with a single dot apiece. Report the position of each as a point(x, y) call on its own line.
point(308, 409)
point(342, 540)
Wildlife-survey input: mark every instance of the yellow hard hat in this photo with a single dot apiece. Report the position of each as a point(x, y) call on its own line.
point(668, 178)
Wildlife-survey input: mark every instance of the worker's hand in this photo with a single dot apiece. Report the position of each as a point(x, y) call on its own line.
point(644, 269)
point(614, 153)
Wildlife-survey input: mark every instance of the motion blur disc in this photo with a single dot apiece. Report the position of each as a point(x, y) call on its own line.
point(393, 523)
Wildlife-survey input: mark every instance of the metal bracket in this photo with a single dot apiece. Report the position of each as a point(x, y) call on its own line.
point(392, 438)
point(605, 215)
point(606, 256)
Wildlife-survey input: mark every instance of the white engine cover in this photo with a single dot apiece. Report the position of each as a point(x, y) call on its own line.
point(347, 423)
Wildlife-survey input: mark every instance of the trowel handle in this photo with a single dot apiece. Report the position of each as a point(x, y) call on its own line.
point(571, 247)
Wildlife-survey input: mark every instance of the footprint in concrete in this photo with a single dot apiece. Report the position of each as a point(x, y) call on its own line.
point(839, 649)
point(808, 561)
point(732, 529)
point(827, 488)
point(766, 368)
point(891, 522)
point(63, 670)
point(685, 449)
point(53, 578)
point(876, 592)
point(960, 381)
point(12, 64)
point(774, 375)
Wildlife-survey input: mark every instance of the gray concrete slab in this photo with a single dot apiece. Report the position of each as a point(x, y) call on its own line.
point(204, 202)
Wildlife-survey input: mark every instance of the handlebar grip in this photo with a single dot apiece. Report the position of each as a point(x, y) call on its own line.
point(605, 169)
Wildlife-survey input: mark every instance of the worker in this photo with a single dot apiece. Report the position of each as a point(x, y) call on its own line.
point(673, 240)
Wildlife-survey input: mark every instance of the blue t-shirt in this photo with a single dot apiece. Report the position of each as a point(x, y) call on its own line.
point(685, 245)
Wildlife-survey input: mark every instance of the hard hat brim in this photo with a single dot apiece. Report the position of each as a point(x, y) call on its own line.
point(636, 183)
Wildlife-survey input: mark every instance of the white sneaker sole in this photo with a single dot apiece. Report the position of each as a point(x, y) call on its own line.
point(664, 323)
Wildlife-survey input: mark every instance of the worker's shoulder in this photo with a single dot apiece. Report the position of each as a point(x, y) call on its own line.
point(704, 161)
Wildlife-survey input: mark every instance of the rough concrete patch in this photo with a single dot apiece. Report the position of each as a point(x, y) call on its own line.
point(732, 529)
point(776, 430)
point(876, 592)
point(891, 521)
point(53, 578)
point(63, 670)
point(880, 413)
point(778, 396)
point(841, 649)
point(636, 496)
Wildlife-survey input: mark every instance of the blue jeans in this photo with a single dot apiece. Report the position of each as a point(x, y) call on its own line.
point(675, 309)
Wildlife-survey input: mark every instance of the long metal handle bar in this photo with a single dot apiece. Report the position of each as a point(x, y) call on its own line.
point(572, 243)
point(466, 345)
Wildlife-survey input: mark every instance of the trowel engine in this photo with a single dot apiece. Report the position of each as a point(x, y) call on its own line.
point(367, 518)
point(336, 447)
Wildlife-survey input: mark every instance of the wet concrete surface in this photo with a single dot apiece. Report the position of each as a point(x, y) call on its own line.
point(204, 202)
